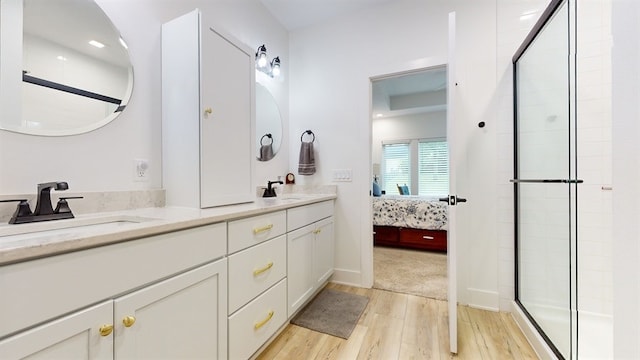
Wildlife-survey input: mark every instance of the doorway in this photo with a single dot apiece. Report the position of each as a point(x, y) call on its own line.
point(409, 152)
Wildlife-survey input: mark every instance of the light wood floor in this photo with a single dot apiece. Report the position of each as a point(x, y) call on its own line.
point(401, 326)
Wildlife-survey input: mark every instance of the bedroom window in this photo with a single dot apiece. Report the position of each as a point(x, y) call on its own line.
point(433, 168)
point(395, 166)
point(423, 163)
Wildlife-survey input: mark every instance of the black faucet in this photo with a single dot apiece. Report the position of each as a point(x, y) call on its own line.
point(43, 204)
point(270, 191)
point(44, 210)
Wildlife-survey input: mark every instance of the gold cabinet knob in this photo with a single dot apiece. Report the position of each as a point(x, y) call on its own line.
point(208, 111)
point(128, 321)
point(106, 330)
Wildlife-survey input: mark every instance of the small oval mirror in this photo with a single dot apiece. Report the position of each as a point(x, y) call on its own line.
point(71, 72)
point(268, 124)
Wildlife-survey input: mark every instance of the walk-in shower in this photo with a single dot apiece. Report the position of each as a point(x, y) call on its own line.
point(553, 110)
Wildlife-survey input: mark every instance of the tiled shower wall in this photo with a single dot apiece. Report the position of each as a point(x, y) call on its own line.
point(595, 245)
point(515, 20)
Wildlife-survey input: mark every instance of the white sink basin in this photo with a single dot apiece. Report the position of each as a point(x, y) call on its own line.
point(69, 226)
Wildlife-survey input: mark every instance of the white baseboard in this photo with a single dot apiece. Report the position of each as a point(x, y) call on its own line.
point(347, 277)
point(483, 299)
point(537, 342)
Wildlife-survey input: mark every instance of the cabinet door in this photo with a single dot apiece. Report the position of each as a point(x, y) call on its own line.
point(226, 131)
point(324, 251)
point(76, 336)
point(300, 281)
point(183, 317)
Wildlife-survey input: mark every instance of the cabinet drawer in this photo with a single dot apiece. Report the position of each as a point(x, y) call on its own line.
point(424, 239)
point(254, 324)
point(247, 232)
point(305, 215)
point(385, 233)
point(38, 290)
point(254, 270)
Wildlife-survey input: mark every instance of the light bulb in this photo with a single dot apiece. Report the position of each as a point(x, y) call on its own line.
point(262, 61)
point(275, 71)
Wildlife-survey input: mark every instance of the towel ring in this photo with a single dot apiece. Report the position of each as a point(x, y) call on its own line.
point(310, 133)
point(264, 136)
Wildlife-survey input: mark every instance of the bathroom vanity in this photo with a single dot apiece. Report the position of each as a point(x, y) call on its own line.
point(181, 282)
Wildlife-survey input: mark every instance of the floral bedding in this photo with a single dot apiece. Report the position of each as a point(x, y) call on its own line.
point(408, 211)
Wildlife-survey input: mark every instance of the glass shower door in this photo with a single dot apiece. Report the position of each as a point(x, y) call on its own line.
point(544, 189)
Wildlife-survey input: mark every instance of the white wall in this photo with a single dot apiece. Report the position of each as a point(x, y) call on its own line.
point(626, 177)
point(102, 160)
point(330, 71)
point(431, 125)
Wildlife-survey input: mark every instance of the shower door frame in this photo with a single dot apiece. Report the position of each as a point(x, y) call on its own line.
point(572, 181)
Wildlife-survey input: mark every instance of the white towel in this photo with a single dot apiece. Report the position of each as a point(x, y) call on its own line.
point(306, 163)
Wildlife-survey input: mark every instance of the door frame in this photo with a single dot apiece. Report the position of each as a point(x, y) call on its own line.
point(392, 71)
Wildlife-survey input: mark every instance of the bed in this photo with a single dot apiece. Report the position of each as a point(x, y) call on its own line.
point(410, 221)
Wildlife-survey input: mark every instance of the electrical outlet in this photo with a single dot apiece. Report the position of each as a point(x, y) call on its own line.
point(140, 170)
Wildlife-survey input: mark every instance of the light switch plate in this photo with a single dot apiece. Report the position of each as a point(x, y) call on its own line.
point(342, 175)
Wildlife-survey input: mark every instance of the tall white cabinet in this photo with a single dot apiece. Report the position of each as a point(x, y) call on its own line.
point(208, 112)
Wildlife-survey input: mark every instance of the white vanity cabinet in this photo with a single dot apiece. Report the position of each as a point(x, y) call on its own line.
point(310, 251)
point(66, 338)
point(150, 304)
point(208, 112)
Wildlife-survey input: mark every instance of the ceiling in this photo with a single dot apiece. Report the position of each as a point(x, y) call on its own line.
point(415, 93)
point(296, 14)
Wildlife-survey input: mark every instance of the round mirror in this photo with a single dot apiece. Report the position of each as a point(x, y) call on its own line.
point(69, 74)
point(268, 124)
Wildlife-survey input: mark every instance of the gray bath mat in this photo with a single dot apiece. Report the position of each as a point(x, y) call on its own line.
point(332, 312)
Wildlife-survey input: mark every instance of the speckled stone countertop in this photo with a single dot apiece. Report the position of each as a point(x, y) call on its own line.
point(41, 240)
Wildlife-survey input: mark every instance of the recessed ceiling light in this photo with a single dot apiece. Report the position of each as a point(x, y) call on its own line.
point(379, 115)
point(527, 15)
point(97, 44)
point(61, 58)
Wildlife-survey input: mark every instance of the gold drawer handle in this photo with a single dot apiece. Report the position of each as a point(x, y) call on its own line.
point(260, 324)
point(317, 231)
point(128, 321)
point(263, 229)
point(106, 330)
point(260, 271)
point(428, 237)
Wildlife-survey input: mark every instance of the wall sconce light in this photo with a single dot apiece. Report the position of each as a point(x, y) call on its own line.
point(270, 68)
point(261, 56)
point(275, 67)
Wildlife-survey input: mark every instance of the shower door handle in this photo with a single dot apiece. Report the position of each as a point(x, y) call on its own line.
point(547, 181)
point(452, 200)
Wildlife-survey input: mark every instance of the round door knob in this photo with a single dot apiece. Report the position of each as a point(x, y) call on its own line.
point(106, 330)
point(128, 321)
point(208, 111)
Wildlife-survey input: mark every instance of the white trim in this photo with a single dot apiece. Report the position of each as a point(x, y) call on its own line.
point(483, 299)
point(531, 334)
point(348, 277)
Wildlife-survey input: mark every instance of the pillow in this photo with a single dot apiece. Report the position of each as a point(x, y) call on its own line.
point(403, 190)
point(376, 189)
